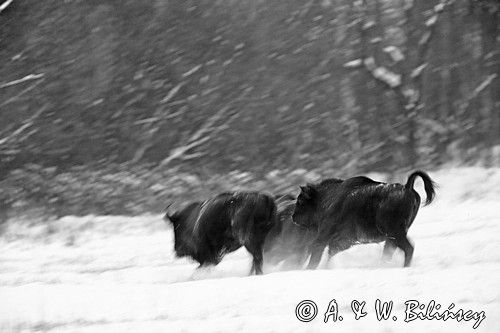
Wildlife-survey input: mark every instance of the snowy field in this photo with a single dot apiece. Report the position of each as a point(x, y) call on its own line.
point(119, 274)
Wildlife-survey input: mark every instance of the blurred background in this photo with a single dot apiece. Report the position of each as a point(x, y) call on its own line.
point(118, 107)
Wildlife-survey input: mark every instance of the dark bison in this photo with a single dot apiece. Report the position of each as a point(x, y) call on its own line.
point(287, 242)
point(360, 210)
point(207, 230)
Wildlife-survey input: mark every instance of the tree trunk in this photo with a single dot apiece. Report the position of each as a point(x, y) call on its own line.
point(490, 54)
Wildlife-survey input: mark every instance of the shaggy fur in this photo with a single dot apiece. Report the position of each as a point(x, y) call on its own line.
point(206, 231)
point(360, 210)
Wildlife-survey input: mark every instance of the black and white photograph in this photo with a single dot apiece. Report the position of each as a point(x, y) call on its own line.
point(249, 166)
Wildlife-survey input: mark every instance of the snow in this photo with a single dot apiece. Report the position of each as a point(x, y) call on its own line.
point(105, 274)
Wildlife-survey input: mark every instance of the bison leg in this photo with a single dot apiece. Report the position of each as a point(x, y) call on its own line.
point(257, 264)
point(257, 261)
point(389, 248)
point(396, 229)
point(316, 254)
point(404, 244)
point(338, 245)
point(254, 246)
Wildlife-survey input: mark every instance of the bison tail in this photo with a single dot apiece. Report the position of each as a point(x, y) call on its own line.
point(429, 185)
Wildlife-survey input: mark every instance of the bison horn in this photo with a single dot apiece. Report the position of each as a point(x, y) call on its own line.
point(167, 213)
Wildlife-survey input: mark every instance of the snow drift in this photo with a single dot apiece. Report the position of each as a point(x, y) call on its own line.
point(102, 274)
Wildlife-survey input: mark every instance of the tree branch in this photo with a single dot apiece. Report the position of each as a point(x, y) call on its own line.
point(153, 124)
point(24, 79)
point(483, 85)
point(431, 24)
point(203, 134)
point(5, 5)
point(382, 74)
point(10, 100)
point(15, 137)
point(172, 93)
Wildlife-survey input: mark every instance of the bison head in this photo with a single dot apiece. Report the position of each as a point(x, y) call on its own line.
point(182, 223)
point(306, 207)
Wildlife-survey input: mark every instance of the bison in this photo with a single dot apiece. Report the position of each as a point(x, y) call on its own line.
point(287, 242)
point(360, 210)
point(206, 231)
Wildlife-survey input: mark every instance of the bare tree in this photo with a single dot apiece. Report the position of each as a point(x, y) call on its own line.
point(410, 61)
point(152, 125)
point(11, 139)
point(207, 131)
point(489, 17)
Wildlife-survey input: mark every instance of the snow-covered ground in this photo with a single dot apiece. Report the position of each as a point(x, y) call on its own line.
point(105, 274)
